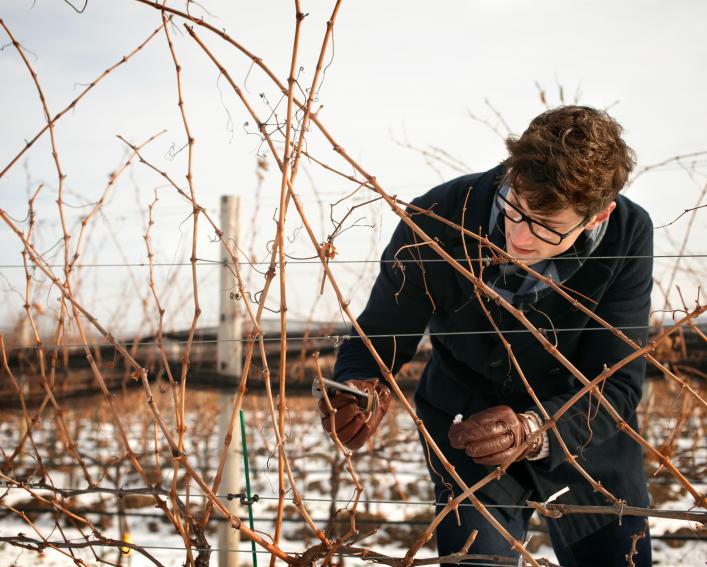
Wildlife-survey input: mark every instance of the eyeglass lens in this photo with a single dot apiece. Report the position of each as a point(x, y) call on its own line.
point(516, 216)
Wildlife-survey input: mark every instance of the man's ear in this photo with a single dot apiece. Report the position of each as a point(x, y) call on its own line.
point(600, 217)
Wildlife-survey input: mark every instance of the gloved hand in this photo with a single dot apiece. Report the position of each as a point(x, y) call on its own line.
point(353, 425)
point(490, 436)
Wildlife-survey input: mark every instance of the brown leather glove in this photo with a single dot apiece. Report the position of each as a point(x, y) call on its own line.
point(353, 425)
point(490, 436)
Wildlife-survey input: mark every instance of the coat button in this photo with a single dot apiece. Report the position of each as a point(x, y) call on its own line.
point(496, 363)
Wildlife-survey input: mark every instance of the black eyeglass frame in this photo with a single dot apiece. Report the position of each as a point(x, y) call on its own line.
point(501, 200)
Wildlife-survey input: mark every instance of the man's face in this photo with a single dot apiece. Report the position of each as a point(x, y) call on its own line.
point(527, 247)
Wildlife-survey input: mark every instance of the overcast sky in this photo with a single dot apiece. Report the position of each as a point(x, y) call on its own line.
point(400, 71)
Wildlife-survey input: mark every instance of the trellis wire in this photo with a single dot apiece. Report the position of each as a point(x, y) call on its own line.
point(216, 263)
point(376, 521)
point(147, 491)
point(335, 338)
point(262, 551)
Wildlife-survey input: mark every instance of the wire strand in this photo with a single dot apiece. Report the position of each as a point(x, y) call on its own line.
point(336, 339)
point(249, 551)
point(214, 263)
point(373, 521)
point(149, 491)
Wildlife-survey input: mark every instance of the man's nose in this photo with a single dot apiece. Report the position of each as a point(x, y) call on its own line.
point(520, 233)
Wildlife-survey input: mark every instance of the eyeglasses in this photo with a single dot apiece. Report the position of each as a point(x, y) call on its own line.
point(543, 232)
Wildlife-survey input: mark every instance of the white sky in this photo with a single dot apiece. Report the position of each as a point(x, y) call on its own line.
point(401, 70)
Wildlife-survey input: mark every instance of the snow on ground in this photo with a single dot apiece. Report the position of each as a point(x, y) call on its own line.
point(387, 475)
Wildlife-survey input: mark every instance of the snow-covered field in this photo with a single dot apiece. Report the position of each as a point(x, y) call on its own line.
point(397, 488)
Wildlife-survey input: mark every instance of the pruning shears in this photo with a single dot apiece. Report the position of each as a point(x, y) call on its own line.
point(367, 401)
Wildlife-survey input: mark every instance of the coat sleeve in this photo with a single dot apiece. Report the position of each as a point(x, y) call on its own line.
point(400, 304)
point(626, 304)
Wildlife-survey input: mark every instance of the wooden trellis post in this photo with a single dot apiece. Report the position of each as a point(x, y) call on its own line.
point(229, 354)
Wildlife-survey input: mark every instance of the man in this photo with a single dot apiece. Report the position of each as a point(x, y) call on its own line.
point(553, 204)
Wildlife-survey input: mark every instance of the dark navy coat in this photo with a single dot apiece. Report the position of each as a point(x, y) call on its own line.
point(469, 372)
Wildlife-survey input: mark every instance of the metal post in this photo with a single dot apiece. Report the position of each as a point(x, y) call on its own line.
point(229, 351)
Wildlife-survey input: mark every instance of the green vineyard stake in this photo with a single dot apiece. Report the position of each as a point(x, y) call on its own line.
point(247, 487)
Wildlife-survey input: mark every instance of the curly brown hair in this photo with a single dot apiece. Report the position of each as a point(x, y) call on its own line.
point(570, 156)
